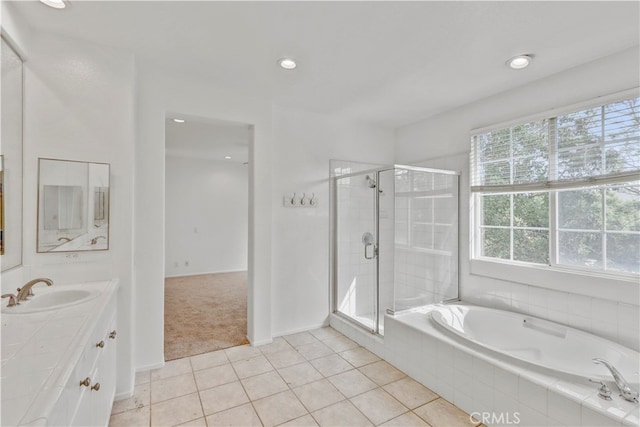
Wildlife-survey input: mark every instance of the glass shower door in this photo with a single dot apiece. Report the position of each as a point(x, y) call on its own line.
point(356, 291)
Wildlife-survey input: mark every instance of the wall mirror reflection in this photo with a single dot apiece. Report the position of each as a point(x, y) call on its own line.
point(11, 158)
point(73, 206)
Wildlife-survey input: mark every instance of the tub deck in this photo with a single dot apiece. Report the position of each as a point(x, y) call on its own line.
point(478, 380)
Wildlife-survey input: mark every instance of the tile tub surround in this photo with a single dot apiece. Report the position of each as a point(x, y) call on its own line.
point(311, 378)
point(479, 381)
point(40, 350)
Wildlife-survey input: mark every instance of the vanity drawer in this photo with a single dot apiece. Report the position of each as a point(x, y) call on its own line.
point(99, 351)
point(92, 403)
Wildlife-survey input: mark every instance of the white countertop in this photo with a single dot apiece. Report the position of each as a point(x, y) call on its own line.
point(40, 351)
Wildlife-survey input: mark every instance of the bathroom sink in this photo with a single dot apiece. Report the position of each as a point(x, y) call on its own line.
point(51, 300)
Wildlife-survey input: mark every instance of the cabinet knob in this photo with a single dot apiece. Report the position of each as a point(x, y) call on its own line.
point(95, 387)
point(112, 334)
point(100, 344)
point(86, 382)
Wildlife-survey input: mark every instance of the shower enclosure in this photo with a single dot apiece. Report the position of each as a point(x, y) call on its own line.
point(394, 240)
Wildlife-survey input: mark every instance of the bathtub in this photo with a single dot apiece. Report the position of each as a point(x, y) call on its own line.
point(488, 363)
point(546, 344)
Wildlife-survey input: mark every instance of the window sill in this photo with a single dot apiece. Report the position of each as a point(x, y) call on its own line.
point(592, 284)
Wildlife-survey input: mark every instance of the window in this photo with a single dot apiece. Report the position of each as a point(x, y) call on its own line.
point(562, 191)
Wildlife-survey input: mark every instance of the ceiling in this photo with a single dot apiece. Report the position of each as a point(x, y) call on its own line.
point(390, 63)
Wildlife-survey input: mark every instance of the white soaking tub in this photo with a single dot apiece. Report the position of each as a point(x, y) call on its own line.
point(539, 342)
point(489, 364)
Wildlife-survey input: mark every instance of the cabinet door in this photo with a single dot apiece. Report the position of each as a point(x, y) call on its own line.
point(103, 398)
point(94, 407)
point(85, 414)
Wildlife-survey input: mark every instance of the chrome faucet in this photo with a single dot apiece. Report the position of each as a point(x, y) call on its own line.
point(95, 239)
point(26, 291)
point(626, 392)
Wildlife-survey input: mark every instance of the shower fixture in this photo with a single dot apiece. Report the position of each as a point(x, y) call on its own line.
point(371, 182)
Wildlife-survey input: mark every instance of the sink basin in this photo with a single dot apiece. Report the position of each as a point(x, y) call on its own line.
point(50, 300)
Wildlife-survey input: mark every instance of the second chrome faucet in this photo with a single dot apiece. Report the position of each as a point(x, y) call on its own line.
point(626, 392)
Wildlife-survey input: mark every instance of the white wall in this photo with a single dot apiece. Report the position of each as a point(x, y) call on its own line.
point(206, 216)
point(303, 145)
point(288, 261)
point(79, 106)
point(157, 96)
point(605, 307)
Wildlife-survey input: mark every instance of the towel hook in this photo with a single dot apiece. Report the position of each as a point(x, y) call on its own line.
point(313, 202)
point(302, 199)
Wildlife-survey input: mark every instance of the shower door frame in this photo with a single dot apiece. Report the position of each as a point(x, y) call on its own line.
point(333, 238)
point(334, 248)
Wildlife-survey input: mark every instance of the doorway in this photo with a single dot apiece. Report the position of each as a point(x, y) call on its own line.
point(206, 235)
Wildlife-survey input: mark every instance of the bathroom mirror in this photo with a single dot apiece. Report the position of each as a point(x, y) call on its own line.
point(73, 206)
point(11, 158)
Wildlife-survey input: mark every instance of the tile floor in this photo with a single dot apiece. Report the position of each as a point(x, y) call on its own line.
point(311, 378)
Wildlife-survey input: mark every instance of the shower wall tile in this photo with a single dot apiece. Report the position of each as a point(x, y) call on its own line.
point(607, 310)
point(618, 322)
point(579, 305)
point(557, 301)
point(628, 315)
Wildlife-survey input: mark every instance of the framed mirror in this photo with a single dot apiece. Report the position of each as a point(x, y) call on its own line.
point(11, 157)
point(73, 206)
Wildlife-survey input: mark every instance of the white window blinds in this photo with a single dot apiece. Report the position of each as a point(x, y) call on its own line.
point(599, 145)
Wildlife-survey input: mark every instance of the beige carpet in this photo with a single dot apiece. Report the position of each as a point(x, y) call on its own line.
point(204, 313)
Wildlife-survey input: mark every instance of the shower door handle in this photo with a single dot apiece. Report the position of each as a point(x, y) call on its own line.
point(367, 240)
point(374, 252)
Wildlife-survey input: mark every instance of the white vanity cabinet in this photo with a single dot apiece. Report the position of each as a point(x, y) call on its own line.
point(78, 344)
point(91, 388)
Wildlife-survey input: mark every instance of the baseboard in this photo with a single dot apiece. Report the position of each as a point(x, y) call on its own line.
point(146, 368)
point(259, 343)
point(203, 273)
point(123, 395)
point(303, 329)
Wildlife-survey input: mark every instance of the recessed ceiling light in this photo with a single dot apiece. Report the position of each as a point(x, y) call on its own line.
point(519, 62)
point(287, 63)
point(56, 4)
point(178, 120)
point(227, 157)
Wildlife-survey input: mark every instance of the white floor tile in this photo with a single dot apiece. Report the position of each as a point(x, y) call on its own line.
point(264, 385)
point(331, 365)
point(378, 405)
point(318, 394)
point(223, 397)
point(340, 414)
point(279, 408)
point(352, 383)
point(240, 416)
point(255, 366)
point(299, 374)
